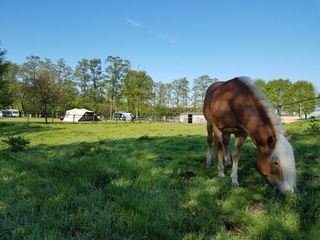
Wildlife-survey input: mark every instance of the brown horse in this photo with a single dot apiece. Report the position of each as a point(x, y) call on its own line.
point(236, 107)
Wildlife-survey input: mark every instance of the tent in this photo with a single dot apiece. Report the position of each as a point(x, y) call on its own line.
point(76, 115)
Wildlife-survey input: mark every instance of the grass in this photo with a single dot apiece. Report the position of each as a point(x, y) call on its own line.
point(147, 181)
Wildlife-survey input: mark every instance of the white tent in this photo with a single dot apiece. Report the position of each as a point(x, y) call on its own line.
point(76, 114)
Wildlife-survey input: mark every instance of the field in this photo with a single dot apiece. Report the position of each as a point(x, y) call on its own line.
point(147, 181)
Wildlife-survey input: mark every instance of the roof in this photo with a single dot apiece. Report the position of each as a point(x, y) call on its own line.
point(74, 115)
point(193, 113)
point(78, 111)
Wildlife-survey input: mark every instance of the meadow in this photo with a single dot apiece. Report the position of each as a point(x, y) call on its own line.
point(147, 181)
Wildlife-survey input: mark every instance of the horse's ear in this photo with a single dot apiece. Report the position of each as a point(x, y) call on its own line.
point(271, 142)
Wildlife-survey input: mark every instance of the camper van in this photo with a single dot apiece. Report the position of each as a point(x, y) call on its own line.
point(10, 113)
point(123, 116)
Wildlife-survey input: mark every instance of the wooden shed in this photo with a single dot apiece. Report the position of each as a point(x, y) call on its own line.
point(192, 117)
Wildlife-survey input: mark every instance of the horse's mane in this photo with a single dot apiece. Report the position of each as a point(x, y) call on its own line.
point(274, 119)
point(283, 150)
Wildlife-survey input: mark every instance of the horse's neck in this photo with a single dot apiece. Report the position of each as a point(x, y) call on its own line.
point(264, 137)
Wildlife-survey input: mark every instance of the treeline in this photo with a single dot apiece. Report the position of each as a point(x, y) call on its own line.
point(299, 97)
point(45, 88)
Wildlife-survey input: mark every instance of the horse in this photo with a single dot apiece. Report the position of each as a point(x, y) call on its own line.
point(237, 107)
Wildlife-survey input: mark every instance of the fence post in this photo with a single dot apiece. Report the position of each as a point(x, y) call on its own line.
point(279, 106)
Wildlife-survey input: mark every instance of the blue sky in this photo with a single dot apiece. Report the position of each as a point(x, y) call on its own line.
point(170, 39)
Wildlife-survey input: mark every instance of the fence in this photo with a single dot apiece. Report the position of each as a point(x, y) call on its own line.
point(279, 106)
point(29, 118)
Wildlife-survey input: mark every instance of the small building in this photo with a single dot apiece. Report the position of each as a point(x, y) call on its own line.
point(192, 117)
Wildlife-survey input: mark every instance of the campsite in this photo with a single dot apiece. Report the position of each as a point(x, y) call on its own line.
point(147, 181)
point(138, 120)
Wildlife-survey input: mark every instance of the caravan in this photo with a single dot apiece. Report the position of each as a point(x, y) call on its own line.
point(10, 113)
point(123, 116)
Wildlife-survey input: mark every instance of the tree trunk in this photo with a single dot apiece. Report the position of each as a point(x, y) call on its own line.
point(111, 107)
point(53, 114)
point(45, 113)
point(137, 112)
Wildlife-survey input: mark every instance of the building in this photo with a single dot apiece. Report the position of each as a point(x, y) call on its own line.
point(192, 117)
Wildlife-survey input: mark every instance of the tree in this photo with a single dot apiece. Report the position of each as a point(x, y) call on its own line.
point(88, 74)
point(82, 76)
point(42, 85)
point(200, 86)
point(278, 91)
point(184, 90)
point(45, 90)
point(116, 70)
point(137, 88)
point(12, 78)
point(3, 63)
point(29, 73)
point(168, 94)
point(66, 87)
point(5, 96)
point(180, 90)
point(96, 78)
point(160, 93)
point(261, 84)
point(304, 94)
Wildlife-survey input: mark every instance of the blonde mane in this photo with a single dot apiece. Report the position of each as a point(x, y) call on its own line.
point(283, 150)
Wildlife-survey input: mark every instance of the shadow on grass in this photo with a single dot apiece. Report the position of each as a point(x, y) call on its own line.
point(148, 188)
point(16, 128)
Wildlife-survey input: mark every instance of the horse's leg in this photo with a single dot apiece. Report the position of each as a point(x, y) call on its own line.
point(235, 157)
point(210, 144)
point(227, 160)
point(218, 140)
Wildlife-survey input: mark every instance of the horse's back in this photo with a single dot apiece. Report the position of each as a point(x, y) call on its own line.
point(226, 102)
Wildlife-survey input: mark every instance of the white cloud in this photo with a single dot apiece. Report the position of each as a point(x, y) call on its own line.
point(134, 23)
point(158, 35)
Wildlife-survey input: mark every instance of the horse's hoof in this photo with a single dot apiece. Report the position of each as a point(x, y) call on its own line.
point(235, 183)
point(221, 175)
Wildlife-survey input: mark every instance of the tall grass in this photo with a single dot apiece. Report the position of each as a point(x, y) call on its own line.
point(147, 181)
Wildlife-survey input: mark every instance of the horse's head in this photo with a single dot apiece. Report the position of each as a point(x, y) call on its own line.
point(279, 166)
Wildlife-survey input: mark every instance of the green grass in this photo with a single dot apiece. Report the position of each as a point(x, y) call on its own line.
point(147, 181)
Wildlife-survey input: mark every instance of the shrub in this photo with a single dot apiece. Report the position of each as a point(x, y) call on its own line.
point(17, 143)
point(314, 126)
point(144, 137)
point(85, 149)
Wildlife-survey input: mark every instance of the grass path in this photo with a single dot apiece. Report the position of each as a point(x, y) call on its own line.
point(147, 181)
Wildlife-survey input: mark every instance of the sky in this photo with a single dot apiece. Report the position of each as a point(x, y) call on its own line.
point(171, 39)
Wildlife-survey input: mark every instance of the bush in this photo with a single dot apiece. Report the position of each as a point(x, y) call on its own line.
point(144, 137)
point(314, 126)
point(85, 149)
point(17, 143)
